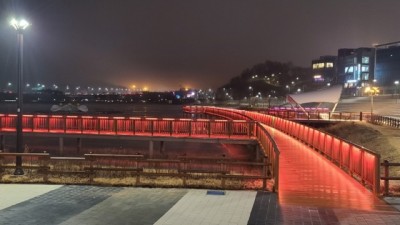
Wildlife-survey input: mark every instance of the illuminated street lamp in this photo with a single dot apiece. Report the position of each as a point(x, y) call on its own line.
point(397, 89)
point(19, 26)
point(372, 91)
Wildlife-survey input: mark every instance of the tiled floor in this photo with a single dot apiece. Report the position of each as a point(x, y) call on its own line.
point(197, 207)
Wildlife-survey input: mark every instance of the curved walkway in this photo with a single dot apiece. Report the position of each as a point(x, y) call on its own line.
point(309, 179)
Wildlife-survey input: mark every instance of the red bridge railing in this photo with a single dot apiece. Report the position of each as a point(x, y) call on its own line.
point(134, 126)
point(242, 129)
point(357, 161)
point(265, 140)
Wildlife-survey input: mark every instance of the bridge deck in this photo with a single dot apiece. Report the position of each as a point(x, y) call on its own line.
point(308, 179)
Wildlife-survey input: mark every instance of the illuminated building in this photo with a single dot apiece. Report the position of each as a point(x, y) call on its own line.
point(356, 69)
point(324, 69)
point(387, 66)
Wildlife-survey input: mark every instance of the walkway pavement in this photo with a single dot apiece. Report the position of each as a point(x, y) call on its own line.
point(308, 178)
point(91, 205)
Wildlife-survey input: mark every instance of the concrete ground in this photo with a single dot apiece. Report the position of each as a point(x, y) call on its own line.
point(92, 205)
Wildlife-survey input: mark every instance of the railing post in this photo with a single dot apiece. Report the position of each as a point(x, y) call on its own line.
point(264, 172)
point(46, 169)
point(137, 171)
point(170, 127)
point(81, 123)
point(2, 142)
point(230, 128)
point(209, 128)
point(152, 127)
point(386, 182)
point(48, 124)
point(276, 172)
point(361, 116)
point(190, 128)
point(65, 124)
point(89, 158)
point(115, 126)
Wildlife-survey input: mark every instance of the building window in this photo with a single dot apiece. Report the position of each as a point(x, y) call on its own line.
point(365, 69)
point(329, 65)
point(318, 65)
point(365, 60)
point(365, 76)
point(318, 78)
point(349, 69)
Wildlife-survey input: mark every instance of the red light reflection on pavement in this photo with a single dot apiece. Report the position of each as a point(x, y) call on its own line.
point(307, 178)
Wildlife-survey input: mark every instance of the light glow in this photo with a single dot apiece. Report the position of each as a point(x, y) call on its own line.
point(19, 25)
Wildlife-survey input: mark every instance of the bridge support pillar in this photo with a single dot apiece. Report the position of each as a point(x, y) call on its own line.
point(162, 147)
point(151, 149)
point(61, 145)
point(2, 142)
point(78, 145)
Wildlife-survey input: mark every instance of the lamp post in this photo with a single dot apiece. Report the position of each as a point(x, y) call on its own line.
point(288, 87)
point(250, 94)
point(372, 91)
point(397, 89)
point(19, 26)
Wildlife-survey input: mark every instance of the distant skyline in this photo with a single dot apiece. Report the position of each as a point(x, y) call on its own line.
point(165, 45)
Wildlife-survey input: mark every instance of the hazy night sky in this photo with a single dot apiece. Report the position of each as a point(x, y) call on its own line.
point(165, 44)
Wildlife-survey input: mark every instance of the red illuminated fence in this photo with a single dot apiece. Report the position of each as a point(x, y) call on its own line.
point(265, 140)
point(136, 170)
point(361, 163)
point(132, 126)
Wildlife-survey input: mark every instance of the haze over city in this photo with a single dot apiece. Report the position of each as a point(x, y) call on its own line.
point(165, 45)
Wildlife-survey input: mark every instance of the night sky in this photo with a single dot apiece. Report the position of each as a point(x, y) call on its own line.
point(167, 44)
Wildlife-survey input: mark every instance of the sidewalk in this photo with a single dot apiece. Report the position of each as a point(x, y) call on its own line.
point(91, 205)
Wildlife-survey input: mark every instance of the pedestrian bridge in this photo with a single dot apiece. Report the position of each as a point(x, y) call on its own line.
point(316, 168)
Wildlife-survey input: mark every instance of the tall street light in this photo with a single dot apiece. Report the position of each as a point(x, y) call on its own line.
point(372, 91)
point(19, 26)
point(397, 89)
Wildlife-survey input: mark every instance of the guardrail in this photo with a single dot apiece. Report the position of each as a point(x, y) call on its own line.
point(300, 115)
point(92, 168)
point(357, 161)
point(386, 177)
point(385, 121)
point(131, 126)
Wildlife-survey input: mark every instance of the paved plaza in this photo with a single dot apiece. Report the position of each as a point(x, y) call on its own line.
point(89, 205)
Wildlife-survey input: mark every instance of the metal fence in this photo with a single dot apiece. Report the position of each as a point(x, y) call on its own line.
point(183, 172)
point(385, 121)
